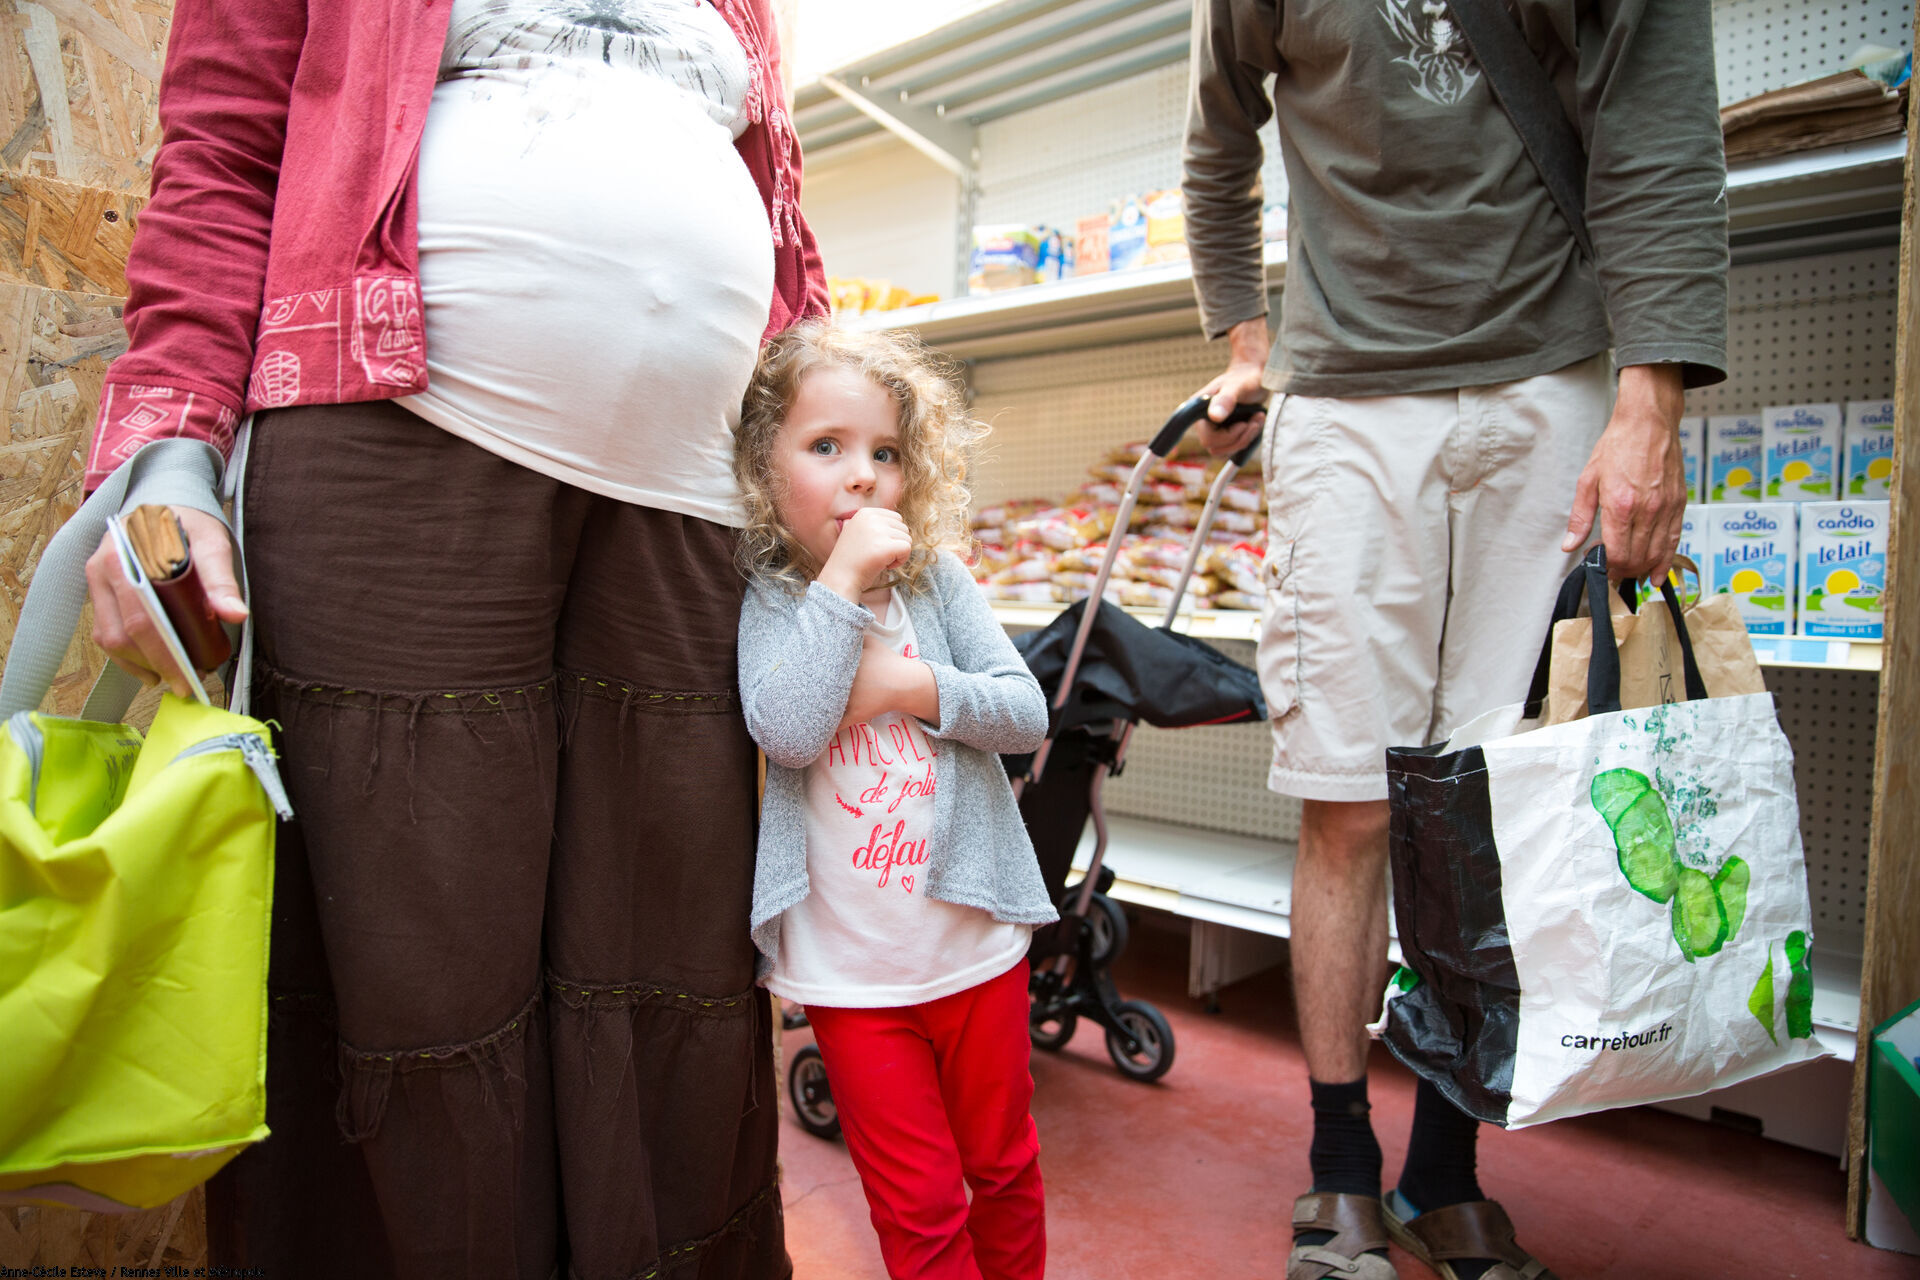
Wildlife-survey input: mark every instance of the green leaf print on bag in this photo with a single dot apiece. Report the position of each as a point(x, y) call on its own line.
point(1761, 1001)
point(1799, 987)
point(1799, 991)
point(1707, 910)
point(1642, 832)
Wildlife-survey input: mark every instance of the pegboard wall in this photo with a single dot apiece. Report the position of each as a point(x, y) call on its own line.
point(1053, 415)
point(1766, 44)
point(1808, 330)
point(1830, 718)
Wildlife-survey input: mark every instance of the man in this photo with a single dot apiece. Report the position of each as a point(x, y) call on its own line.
point(1448, 427)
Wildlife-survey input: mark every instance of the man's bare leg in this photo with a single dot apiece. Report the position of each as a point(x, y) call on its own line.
point(1339, 933)
point(1339, 946)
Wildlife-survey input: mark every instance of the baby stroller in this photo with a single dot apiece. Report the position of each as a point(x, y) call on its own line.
point(1103, 672)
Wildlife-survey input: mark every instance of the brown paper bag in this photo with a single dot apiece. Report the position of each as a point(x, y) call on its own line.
point(1650, 670)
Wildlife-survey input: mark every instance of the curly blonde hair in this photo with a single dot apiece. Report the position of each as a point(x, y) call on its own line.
point(937, 438)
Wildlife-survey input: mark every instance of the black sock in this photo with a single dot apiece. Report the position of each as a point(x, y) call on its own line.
point(1345, 1155)
point(1441, 1157)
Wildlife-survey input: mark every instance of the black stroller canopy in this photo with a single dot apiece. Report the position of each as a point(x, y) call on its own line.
point(1131, 671)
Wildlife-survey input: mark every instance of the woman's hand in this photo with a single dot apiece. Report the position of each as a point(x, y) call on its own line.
point(120, 622)
point(872, 541)
point(886, 681)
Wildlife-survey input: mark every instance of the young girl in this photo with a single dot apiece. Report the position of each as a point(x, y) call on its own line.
point(895, 888)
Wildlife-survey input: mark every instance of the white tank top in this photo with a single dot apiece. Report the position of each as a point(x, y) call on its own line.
point(595, 260)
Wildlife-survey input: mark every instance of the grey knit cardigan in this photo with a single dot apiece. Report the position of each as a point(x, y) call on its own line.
point(798, 655)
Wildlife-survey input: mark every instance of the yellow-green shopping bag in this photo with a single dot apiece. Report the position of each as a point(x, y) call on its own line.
point(135, 883)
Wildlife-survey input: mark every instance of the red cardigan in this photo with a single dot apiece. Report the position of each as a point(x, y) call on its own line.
point(278, 260)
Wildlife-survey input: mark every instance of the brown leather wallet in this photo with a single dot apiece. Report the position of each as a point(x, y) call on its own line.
point(161, 543)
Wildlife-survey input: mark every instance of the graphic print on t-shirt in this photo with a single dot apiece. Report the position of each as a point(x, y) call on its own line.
point(882, 775)
point(1440, 66)
point(870, 933)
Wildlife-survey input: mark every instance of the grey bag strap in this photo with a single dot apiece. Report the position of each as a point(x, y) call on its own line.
point(1524, 92)
point(54, 602)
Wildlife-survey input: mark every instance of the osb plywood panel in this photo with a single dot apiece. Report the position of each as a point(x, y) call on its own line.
point(54, 350)
point(79, 90)
point(172, 1235)
point(1890, 977)
point(64, 236)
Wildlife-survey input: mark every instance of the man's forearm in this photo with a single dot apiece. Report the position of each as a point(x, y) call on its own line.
point(1249, 342)
point(1651, 391)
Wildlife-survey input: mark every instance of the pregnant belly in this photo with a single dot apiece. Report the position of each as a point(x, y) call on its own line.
point(596, 267)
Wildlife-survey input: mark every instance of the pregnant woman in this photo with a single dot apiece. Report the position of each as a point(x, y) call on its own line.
point(491, 278)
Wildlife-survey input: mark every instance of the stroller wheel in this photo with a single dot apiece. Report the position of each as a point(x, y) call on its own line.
point(810, 1094)
point(1152, 1056)
point(1108, 921)
point(1053, 1033)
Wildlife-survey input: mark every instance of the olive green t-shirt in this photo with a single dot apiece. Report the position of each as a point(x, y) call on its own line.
point(1423, 251)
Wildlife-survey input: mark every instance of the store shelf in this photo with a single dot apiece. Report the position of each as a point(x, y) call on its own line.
point(1201, 875)
point(1834, 198)
point(1831, 655)
point(1829, 199)
point(1248, 884)
point(1206, 624)
point(1112, 307)
point(1244, 624)
point(1009, 57)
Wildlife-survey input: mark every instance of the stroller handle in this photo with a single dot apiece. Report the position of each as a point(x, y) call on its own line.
point(1195, 410)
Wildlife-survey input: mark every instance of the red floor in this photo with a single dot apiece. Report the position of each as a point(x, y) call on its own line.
point(1195, 1176)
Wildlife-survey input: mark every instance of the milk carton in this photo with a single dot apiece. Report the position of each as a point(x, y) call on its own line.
point(1843, 569)
point(1752, 548)
point(1735, 458)
point(1802, 441)
point(1693, 438)
point(1693, 545)
point(1869, 441)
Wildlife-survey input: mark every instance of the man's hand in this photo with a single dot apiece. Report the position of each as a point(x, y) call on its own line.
point(120, 622)
point(886, 681)
point(1240, 384)
point(872, 541)
point(1636, 480)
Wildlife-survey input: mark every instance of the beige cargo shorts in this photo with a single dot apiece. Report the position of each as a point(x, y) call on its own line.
point(1412, 559)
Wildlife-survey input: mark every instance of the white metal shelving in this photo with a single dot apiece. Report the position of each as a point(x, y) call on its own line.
point(1244, 624)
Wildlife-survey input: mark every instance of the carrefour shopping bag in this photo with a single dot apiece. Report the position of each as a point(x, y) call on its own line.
point(1601, 913)
point(135, 876)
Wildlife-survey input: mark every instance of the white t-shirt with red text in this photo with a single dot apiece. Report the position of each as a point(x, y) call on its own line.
point(867, 936)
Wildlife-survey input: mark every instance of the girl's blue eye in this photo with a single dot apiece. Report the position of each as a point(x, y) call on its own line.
point(886, 455)
point(825, 448)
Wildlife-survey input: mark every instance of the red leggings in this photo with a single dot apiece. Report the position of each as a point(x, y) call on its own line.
point(932, 1094)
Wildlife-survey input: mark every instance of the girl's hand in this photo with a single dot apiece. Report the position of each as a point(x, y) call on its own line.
point(120, 622)
point(888, 682)
point(872, 541)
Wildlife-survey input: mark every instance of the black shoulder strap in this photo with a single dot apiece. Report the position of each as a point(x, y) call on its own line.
point(1521, 86)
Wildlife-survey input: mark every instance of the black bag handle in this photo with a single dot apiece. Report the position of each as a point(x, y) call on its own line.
point(1589, 579)
point(1521, 87)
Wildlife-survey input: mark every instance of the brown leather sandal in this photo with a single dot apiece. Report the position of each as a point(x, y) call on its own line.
point(1357, 1227)
point(1476, 1229)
